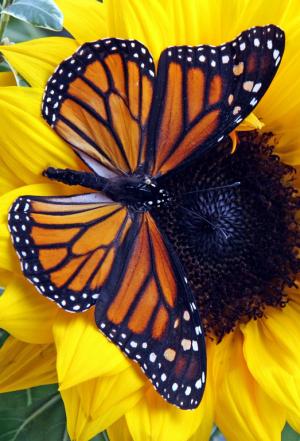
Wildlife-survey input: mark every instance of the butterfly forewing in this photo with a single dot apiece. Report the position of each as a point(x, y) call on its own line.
point(146, 308)
point(203, 92)
point(99, 101)
point(67, 245)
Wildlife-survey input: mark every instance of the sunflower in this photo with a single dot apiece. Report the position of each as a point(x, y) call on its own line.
point(246, 290)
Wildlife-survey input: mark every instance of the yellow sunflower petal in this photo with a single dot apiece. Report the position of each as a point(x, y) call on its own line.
point(243, 410)
point(281, 105)
point(294, 421)
point(36, 59)
point(94, 405)
point(173, 22)
point(82, 351)
point(25, 313)
point(119, 431)
point(154, 419)
point(147, 22)
point(32, 145)
point(7, 79)
point(24, 365)
point(92, 24)
point(250, 123)
point(8, 257)
point(5, 278)
point(271, 356)
point(8, 179)
point(204, 430)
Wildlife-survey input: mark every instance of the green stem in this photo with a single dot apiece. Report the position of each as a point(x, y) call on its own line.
point(66, 436)
point(15, 73)
point(4, 18)
point(29, 397)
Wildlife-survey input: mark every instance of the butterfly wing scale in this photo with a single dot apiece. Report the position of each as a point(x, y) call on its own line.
point(203, 92)
point(99, 100)
point(147, 309)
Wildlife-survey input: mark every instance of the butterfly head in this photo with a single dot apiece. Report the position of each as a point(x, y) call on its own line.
point(141, 193)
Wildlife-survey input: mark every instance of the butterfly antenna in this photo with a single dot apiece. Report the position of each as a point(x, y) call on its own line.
point(199, 216)
point(222, 187)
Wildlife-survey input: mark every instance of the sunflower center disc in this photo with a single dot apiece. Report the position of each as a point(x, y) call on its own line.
point(232, 223)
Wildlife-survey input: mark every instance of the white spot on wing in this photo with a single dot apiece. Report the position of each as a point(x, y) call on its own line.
point(152, 357)
point(186, 315)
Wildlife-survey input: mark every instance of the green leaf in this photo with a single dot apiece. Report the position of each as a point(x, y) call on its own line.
point(216, 435)
point(3, 336)
point(289, 434)
point(101, 437)
point(18, 31)
point(35, 414)
point(40, 13)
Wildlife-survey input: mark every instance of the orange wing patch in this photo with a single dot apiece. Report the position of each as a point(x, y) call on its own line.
point(195, 137)
point(172, 123)
point(81, 90)
point(195, 88)
point(95, 73)
point(215, 90)
point(160, 323)
point(49, 259)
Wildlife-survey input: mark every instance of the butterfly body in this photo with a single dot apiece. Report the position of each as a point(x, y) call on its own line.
point(131, 125)
point(139, 191)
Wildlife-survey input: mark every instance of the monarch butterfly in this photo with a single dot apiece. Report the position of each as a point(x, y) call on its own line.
point(131, 126)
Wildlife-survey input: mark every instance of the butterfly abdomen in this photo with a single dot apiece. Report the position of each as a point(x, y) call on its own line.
point(73, 177)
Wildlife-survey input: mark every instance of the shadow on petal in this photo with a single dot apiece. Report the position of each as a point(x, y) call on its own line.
point(25, 365)
point(243, 409)
point(20, 108)
point(82, 351)
point(94, 405)
point(153, 419)
point(271, 355)
point(119, 431)
point(36, 59)
point(92, 24)
point(26, 314)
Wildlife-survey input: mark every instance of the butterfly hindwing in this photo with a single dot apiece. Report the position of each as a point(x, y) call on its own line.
point(84, 250)
point(99, 101)
point(66, 245)
point(147, 309)
point(203, 92)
